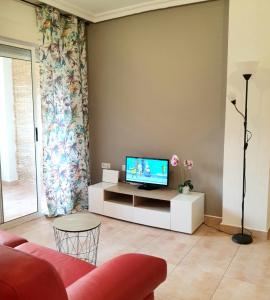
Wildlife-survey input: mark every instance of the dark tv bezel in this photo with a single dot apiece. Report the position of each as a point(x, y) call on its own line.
point(140, 182)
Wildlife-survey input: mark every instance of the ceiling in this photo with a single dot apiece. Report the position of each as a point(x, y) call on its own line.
point(101, 10)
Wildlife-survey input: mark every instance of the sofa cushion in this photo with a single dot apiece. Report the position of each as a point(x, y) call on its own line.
point(25, 277)
point(150, 297)
point(130, 276)
point(9, 239)
point(69, 268)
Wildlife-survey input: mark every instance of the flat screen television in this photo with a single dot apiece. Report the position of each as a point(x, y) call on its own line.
point(152, 173)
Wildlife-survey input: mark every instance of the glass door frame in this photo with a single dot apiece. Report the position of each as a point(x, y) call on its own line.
point(37, 123)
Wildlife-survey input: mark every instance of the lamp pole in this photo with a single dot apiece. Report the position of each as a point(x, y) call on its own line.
point(242, 238)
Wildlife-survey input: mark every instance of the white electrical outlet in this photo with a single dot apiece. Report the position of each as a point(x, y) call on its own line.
point(105, 165)
point(123, 168)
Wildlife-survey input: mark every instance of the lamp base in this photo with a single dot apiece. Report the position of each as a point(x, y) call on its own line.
point(243, 239)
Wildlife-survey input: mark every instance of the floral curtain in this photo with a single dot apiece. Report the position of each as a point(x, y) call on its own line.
point(64, 98)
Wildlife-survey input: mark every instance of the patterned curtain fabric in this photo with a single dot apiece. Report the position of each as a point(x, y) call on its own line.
point(64, 98)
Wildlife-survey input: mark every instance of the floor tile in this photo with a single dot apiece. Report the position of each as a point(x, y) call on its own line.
point(213, 253)
point(171, 248)
point(233, 289)
point(252, 264)
point(187, 284)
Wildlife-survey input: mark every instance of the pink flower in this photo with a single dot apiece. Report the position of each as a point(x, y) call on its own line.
point(188, 163)
point(175, 160)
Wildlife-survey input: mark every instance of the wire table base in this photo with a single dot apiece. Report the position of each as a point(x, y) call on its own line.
point(82, 245)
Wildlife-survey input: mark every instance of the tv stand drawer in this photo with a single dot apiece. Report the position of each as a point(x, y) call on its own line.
point(155, 218)
point(118, 211)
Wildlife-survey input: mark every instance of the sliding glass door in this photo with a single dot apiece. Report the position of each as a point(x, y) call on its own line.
point(18, 134)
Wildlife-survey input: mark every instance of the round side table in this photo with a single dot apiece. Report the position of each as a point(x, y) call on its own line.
point(78, 235)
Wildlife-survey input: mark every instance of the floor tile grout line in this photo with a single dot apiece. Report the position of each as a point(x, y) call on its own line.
point(154, 238)
point(225, 271)
point(140, 247)
point(148, 242)
point(181, 260)
point(151, 240)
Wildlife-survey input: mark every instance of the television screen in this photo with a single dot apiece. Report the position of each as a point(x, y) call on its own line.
point(147, 170)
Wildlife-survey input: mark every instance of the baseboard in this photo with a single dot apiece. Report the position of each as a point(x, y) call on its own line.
point(10, 183)
point(20, 221)
point(212, 221)
point(216, 222)
point(232, 229)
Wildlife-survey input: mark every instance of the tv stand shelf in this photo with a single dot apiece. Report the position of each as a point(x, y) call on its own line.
point(163, 208)
point(119, 198)
point(130, 189)
point(152, 204)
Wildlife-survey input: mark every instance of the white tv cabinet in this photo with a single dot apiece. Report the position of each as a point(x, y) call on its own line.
point(162, 208)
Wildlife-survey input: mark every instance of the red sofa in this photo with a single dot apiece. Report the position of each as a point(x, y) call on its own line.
point(32, 272)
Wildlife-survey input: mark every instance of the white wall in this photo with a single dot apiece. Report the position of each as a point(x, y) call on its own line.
point(249, 39)
point(7, 128)
point(18, 21)
point(268, 223)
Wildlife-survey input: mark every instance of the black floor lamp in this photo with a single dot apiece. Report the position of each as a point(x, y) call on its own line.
point(244, 238)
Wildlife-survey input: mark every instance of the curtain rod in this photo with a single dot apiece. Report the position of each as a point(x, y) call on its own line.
point(38, 5)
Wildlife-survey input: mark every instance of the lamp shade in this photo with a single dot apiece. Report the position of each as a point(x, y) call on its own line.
point(247, 67)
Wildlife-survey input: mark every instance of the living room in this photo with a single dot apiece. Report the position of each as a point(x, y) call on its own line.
point(131, 140)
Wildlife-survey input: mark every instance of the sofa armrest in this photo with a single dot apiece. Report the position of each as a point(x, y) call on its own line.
point(11, 240)
point(129, 276)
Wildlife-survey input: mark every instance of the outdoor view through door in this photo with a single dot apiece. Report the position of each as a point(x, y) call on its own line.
point(17, 134)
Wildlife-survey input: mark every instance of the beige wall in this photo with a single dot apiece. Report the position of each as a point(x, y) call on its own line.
point(249, 27)
point(18, 21)
point(157, 87)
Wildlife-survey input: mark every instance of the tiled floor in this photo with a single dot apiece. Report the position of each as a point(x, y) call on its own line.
point(19, 199)
point(205, 265)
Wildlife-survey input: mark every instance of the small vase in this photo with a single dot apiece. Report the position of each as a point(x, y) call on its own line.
point(185, 189)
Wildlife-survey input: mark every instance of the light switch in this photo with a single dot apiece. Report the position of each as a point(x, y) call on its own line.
point(105, 165)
